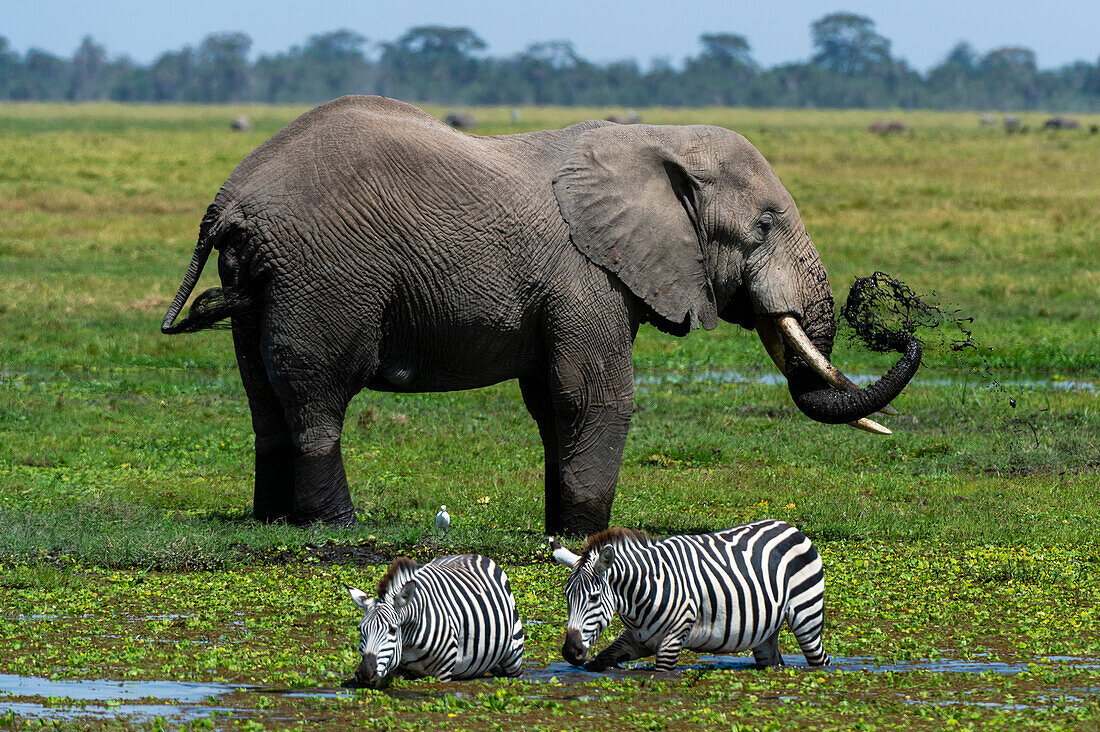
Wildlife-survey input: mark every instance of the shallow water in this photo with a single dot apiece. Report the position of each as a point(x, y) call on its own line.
point(196, 378)
point(181, 713)
point(183, 701)
point(566, 673)
point(105, 690)
point(99, 698)
point(921, 379)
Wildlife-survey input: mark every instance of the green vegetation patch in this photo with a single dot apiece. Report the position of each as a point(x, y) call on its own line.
point(893, 614)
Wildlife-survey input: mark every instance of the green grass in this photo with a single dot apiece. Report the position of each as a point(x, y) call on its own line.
point(125, 455)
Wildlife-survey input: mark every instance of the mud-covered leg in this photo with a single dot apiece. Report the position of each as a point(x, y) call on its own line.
point(536, 396)
point(274, 478)
point(592, 392)
point(314, 393)
point(767, 653)
point(622, 649)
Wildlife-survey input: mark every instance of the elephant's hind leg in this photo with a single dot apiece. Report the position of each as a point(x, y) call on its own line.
point(536, 395)
point(320, 484)
point(274, 488)
point(314, 391)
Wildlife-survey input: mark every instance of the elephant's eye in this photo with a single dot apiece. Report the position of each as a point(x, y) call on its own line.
point(765, 224)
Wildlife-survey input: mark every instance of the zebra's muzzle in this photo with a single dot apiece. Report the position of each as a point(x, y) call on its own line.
point(574, 650)
point(367, 673)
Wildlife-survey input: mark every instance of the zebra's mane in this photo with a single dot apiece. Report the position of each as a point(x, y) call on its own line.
point(614, 535)
point(396, 576)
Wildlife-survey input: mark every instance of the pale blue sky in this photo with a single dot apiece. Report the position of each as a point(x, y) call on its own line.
point(922, 31)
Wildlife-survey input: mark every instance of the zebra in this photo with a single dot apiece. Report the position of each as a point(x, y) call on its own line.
point(452, 618)
point(723, 592)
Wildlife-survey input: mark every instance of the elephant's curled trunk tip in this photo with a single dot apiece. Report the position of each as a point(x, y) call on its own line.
point(826, 402)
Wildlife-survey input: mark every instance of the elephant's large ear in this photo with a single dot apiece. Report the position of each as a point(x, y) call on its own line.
point(633, 208)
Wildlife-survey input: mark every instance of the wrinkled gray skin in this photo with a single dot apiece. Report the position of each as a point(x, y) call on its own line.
point(368, 245)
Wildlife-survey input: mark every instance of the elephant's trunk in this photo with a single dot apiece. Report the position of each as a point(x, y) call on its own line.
point(822, 402)
point(818, 388)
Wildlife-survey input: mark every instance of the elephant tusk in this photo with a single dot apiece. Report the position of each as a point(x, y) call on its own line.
point(870, 425)
point(561, 554)
point(773, 343)
point(805, 348)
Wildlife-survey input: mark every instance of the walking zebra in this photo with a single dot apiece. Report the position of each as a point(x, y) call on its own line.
point(452, 618)
point(723, 592)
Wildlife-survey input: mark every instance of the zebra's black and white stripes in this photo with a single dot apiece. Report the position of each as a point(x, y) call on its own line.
point(723, 592)
point(452, 618)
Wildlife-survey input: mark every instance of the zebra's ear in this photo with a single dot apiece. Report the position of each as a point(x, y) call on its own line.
point(405, 596)
point(360, 598)
point(607, 556)
point(561, 554)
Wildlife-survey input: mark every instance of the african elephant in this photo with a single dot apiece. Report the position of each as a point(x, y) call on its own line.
point(368, 245)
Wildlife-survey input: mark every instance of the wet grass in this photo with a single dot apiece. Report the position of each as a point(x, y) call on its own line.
point(126, 545)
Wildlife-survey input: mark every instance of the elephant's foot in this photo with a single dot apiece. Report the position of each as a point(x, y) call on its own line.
point(274, 493)
point(581, 519)
point(321, 492)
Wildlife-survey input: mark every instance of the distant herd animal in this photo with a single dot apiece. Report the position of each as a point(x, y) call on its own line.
point(1012, 124)
point(723, 592)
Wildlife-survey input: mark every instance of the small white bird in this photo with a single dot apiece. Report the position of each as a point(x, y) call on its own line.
point(442, 520)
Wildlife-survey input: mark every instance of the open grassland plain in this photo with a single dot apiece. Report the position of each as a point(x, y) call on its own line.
point(962, 580)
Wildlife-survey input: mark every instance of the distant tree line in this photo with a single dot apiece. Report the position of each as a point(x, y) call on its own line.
point(852, 67)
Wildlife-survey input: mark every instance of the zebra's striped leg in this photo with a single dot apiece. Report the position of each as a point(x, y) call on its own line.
point(668, 653)
point(767, 653)
point(622, 649)
point(806, 623)
point(438, 658)
point(512, 665)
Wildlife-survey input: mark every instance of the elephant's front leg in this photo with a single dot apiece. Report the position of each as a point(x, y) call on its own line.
point(592, 393)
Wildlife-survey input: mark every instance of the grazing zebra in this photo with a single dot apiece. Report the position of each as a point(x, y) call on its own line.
point(452, 618)
point(722, 592)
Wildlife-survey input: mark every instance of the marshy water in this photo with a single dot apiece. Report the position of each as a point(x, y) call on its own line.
point(229, 381)
point(921, 379)
point(32, 697)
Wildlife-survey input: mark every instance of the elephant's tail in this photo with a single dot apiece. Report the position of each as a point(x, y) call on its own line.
point(212, 306)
